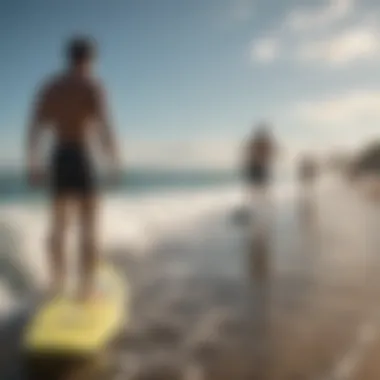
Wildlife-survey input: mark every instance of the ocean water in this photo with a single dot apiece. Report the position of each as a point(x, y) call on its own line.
point(147, 206)
point(134, 215)
point(14, 187)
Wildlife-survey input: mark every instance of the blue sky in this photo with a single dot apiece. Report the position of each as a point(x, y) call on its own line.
point(190, 77)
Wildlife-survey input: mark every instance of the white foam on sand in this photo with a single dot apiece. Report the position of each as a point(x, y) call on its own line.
point(127, 224)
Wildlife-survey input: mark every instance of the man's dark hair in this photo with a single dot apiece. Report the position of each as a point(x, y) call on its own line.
point(262, 130)
point(80, 49)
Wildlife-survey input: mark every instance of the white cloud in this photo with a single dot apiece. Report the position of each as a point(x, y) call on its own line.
point(343, 122)
point(319, 39)
point(333, 11)
point(265, 50)
point(359, 108)
point(351, 45)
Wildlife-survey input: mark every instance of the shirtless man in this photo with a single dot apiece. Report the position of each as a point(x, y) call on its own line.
point(71, 105)
point(258, 158)
point(259, 155)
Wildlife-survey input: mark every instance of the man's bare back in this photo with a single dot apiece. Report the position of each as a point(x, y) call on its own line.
point(71, 104)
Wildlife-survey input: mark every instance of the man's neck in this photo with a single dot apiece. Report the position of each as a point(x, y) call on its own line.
point(79, 71)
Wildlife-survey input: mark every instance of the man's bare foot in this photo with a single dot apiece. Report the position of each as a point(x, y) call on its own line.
point(89, 294)
point(54, 291)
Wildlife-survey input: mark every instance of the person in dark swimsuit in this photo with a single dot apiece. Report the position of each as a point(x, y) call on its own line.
point(71, 105)
point(72, 170)
point(258, 158)
point(257, 164)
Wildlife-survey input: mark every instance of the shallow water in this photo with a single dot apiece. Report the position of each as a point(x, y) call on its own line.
point(291, 298)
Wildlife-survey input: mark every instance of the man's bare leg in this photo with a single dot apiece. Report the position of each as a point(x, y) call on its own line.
point(89, 253)
point(261, 198)
point(57, 266)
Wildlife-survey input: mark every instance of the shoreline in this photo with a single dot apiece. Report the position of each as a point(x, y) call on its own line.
point(215, 298)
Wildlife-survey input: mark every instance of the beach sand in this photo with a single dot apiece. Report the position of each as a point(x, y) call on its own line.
point(292, 296)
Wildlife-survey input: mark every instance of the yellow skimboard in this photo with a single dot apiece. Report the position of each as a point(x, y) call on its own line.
point(65, 326)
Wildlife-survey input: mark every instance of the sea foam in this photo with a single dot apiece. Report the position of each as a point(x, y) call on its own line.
point(132, 225)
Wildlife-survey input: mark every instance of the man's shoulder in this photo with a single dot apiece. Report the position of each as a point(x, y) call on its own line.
point(94, 84)
point(51, 81)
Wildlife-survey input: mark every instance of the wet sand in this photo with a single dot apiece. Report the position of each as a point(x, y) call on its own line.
point(297, 299)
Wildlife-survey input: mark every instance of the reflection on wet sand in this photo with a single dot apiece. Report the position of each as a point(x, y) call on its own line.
point(261, 343)
point(288, 300)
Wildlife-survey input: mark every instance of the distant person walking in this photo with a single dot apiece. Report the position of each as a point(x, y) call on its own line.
point(71, 105)
point(259, 155)
point(307, 172)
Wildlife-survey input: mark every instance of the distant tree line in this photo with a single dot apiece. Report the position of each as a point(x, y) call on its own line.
point(367, 160)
